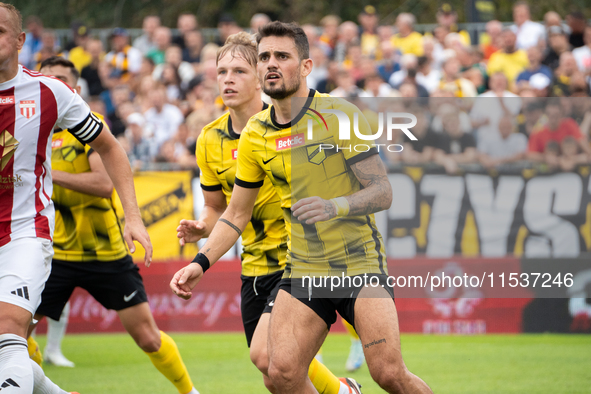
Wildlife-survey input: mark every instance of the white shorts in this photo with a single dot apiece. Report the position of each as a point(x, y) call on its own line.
point(25, 265)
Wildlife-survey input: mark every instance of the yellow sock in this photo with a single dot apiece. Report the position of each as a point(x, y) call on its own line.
point(323, 380)
point(168, 361)
point(350, 329)
point(34, 351)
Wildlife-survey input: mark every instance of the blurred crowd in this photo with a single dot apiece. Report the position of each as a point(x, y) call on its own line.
point(521, 92)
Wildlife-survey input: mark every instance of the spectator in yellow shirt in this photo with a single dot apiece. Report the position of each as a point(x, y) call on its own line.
point(407, 40)
point(509, 60)
point(78, 54)
point(448, 18)
point(368, 19)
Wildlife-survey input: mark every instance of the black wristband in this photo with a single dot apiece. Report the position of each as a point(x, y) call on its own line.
point(202, 260)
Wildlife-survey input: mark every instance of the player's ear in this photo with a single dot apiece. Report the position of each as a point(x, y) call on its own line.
point(306, 67)
point(78, 89)
point(20, 40)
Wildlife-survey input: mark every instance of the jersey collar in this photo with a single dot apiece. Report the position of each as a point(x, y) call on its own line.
point(231, 132)
point(297, 118)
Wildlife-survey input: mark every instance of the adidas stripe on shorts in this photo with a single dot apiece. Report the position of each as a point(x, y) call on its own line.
point(25, 264)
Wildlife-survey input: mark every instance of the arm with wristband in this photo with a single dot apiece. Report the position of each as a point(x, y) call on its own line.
point(375, 196)
point(224, 235)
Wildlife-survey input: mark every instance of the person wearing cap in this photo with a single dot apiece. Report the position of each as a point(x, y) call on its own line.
point(540, 83)
point(368, 21)
point(557, 45)
point(534, 55)
point(407, 40)
point(78, 53)
point(125, 59)
point(528, 33)
point(448, 18)
point(509, 60)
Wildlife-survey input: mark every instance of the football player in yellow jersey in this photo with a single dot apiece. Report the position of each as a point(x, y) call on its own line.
point(271, 143)
point(265, 238)
point(89, 247)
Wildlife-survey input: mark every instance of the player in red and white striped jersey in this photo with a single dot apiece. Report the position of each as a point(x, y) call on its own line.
point(31, 105)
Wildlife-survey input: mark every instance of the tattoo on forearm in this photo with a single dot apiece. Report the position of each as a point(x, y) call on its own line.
point(234, 227)
point(376, 194)
point(367, 345)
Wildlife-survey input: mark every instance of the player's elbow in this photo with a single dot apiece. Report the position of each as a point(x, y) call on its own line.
point(106, 188)
point(106, 193)
point(387, 196)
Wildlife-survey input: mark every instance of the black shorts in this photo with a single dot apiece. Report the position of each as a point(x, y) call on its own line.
point(326, 302)
point(257, 297)
point(114, 284)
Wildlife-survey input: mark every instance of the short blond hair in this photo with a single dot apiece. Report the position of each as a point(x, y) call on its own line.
point(239, 44)
point(17, 19)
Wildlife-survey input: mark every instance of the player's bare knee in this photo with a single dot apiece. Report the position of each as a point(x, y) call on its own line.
point(260, 358)
point(148, 341)
point(389, 377)
point(14, 324)
point(284, 374)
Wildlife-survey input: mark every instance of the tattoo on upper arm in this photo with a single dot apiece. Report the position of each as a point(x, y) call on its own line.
point(377, 192)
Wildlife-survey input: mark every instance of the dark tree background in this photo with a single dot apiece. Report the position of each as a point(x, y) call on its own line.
point(129, 13)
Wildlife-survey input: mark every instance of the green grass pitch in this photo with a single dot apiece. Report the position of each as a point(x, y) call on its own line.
point(219, 364)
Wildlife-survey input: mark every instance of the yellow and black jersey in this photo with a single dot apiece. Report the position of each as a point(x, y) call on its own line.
point(292, 158)
point(265, 238)
point(86, 227)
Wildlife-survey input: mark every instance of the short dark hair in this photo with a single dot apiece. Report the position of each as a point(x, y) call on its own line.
point(60, 61)
point(292, 30)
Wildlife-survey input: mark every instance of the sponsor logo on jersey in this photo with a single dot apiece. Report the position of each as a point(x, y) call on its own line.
point(234, 154)
point(290, 141)
point(57, 143)
point(8, 145)
point(27, 108)
point(10, 182)
point(6, 100)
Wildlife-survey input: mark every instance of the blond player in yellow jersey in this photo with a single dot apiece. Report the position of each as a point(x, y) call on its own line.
point(328, 199)
point(264, 238)
point(89, 249)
